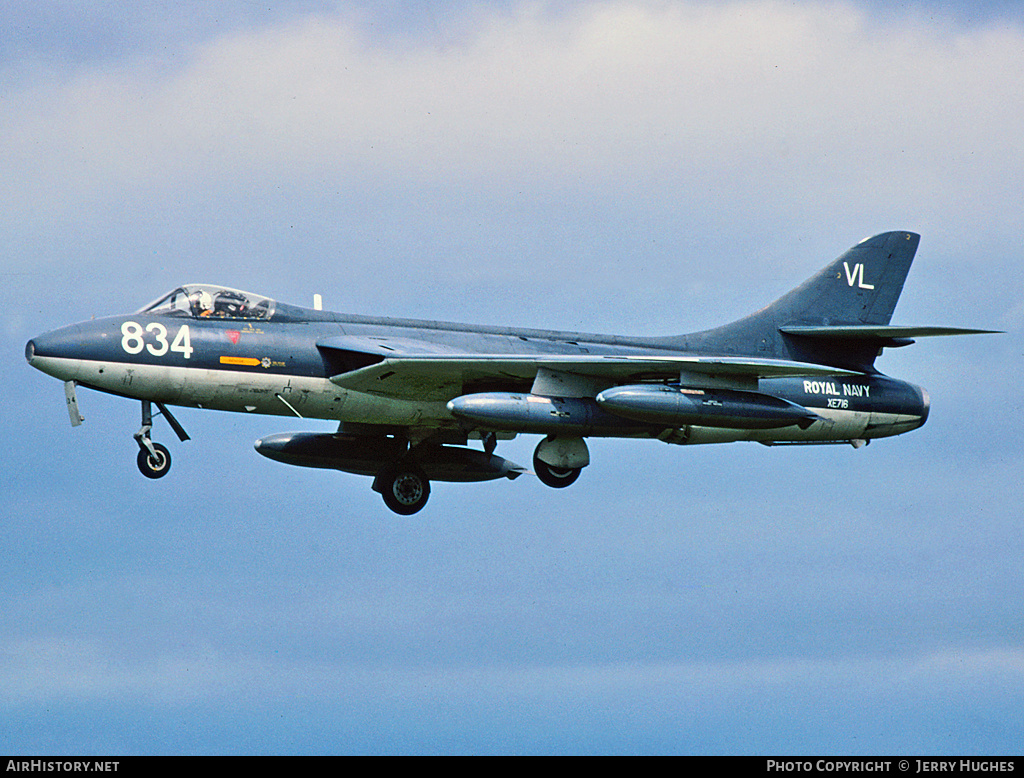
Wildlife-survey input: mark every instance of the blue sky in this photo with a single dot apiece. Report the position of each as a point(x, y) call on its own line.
point(624, 167)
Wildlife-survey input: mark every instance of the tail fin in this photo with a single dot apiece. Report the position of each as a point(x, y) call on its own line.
point(859, 289)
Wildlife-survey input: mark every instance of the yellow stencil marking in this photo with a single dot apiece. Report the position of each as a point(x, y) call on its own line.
point(250, 361)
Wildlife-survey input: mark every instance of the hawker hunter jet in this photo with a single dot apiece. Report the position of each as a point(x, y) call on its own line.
point(409, 395)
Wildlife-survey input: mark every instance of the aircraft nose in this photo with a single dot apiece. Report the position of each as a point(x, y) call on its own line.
point(55, 352)
point(60, 343)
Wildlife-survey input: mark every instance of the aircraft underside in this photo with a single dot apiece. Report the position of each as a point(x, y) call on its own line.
point(406, 444)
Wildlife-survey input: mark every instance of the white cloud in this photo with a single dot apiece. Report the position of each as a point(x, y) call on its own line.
point(737, 97)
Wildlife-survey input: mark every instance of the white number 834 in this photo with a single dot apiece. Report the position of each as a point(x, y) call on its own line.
point(133, 341)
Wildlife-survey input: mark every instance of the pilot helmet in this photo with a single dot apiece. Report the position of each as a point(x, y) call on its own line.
point(202, 301)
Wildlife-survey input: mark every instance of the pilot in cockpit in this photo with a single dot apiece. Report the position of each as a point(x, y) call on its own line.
point(202, 304)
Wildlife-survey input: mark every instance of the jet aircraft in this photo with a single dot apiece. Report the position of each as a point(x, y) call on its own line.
point(409, 395)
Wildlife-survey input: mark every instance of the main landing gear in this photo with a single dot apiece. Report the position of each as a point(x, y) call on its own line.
point(559, 461)
point(403, 479)
point(555, 477)
point(404, 487)
point(154, 460)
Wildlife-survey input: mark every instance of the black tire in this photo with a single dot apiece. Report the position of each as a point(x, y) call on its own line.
point(555, 477)
point(154, 467)
point(405, 489)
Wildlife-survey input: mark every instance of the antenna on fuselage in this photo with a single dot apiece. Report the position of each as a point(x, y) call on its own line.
point(318, 302)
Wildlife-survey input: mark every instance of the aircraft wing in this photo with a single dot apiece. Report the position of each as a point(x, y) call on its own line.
point(442, 374)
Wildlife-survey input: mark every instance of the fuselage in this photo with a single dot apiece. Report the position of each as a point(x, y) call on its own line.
point(270, 363)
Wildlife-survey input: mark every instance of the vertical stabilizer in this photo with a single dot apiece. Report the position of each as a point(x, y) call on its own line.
point(861, 287)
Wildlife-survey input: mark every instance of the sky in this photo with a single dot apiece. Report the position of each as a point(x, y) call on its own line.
point(625, 167)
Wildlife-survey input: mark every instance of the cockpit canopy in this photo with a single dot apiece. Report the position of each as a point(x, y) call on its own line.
point(203, 301)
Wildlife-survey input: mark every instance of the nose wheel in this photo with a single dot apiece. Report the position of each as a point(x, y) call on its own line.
point(156, 464)
point(154, 460)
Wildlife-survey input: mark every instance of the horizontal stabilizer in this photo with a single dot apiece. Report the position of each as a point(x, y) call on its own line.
point(878, 332)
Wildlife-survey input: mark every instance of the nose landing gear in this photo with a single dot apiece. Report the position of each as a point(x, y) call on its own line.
point(154, 460)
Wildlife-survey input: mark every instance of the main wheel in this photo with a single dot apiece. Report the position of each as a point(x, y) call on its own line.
point(555, 477)
point(154, 467)
point(405, 489)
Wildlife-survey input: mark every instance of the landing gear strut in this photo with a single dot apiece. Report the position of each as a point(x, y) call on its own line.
point(154, 460)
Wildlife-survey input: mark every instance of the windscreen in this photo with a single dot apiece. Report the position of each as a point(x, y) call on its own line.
point(203, 301)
